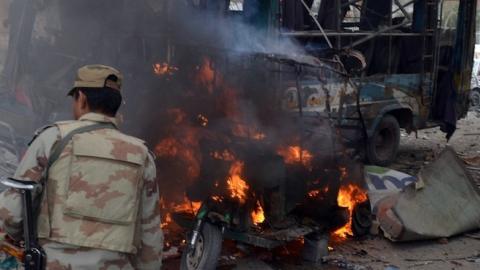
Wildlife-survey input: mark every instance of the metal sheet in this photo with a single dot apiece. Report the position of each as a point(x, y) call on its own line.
point(443, 202)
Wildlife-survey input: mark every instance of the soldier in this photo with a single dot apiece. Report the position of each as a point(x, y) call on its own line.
point(99, 206)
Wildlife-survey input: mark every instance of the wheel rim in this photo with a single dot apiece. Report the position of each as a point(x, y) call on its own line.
point(384, 143)
point(195, 256)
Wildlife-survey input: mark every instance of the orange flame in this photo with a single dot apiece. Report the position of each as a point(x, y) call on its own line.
point(318, 193)
point(258, 216)
point(162, 69)
point(187, 205)
point(183, 147)
point(184, 206)
point(349, 196)
point(313, 193)
point(225, 155)
point(237, 186)
point(206, 75)
point(295, 154)
point(259, 136)
point(167, 147)
point(167, 220)
point(217, 198)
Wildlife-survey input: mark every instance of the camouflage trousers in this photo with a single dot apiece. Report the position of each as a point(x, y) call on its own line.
point(67, 257)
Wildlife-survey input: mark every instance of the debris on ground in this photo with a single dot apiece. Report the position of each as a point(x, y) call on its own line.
point(442, 203)
point(343, 263)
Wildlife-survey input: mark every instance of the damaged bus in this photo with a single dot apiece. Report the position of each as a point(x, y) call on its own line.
point(411, 61)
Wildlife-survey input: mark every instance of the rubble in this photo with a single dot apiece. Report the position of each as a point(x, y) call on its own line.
point(343, 263)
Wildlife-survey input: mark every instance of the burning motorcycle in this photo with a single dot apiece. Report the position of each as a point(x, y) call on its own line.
point(266, 195)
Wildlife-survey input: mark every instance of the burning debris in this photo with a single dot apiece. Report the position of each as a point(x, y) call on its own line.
point(164, 69)
point(294, 154)
point(258, 215)
point(349, 196)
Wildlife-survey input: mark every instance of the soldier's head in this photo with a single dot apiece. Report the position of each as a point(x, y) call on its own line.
point(96, 89)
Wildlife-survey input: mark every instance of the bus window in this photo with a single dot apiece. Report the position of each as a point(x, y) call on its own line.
point(449, 15)
point(401, 10)
point(236, 5)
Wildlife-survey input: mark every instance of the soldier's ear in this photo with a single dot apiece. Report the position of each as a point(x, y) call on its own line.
point(82, 100)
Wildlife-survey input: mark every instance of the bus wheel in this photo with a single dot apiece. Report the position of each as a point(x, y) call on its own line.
point(475, 98)
point(382, 147)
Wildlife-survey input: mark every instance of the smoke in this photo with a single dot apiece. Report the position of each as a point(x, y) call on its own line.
point(197, 84)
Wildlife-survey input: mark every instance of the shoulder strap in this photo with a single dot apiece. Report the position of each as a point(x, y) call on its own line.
point(65, 140)
point(38, 132)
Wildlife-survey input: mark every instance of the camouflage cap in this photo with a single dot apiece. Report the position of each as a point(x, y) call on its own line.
point(95, 76)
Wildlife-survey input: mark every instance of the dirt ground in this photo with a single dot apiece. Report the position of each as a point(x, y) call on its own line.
point(461, 252)
point(376, 252)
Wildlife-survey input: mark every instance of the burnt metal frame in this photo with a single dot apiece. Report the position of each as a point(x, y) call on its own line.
point(428, 31)
point(369, 34)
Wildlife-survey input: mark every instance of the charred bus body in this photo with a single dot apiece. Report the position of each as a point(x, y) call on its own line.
point(418, 60)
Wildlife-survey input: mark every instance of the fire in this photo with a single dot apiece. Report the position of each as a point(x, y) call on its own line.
point(162, 69)
point(203, 120)
point(167, 220)
point(183, 148)
point(184, 206)
point(217, 198)
point(349, 196)
point(225, 155)
point(259, 136)
point(167, 147)
point(247, 131)
point(313, 193)
point(236, 185)
point(206, 75)
point(295, 154)
point(258, 216)
point(187, 205)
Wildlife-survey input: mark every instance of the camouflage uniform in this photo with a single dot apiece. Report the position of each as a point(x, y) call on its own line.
point(99, 208)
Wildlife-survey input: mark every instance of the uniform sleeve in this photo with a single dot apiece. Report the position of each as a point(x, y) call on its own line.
point(149, 255)
point(30, 168)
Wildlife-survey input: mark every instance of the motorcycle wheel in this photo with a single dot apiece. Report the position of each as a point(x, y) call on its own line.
point(206, 252)
point(361, 219)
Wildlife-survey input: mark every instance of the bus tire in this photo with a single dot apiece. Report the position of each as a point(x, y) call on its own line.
point(475, 98)
point(382, 146)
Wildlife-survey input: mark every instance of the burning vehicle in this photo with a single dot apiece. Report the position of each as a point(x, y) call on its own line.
point(260, 112)
point(265, 170)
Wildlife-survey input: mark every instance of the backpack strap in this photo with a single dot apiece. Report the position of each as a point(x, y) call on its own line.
point(58, 149)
